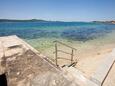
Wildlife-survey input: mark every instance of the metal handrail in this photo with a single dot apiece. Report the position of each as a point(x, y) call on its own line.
point(57, 50)
point(65, 45)
point(63, 52)
point(64, 58)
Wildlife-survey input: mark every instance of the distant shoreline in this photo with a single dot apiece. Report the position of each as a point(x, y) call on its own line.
point(108, 22)
point(26, 20)
point(40, 20)
point(16, 20)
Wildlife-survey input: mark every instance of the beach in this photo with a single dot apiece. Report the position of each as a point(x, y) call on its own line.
point(88, 58)
point(89, 55)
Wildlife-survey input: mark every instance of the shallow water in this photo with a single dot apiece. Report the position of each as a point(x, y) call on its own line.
point(42, 34)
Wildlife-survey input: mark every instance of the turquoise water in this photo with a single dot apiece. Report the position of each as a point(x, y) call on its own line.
point(78, 31)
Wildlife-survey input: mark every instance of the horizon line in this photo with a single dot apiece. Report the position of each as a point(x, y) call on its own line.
point(56, 20)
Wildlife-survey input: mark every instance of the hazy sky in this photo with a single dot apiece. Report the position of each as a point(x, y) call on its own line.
point(67, 10)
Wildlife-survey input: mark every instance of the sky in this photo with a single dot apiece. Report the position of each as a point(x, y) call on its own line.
point(58, 10)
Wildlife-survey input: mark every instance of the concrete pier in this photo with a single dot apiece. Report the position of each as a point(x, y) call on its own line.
point(25, 66)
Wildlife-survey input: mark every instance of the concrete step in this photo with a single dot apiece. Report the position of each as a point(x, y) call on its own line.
point(77, 77)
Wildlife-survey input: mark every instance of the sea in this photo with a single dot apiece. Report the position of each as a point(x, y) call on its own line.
point(42, 34)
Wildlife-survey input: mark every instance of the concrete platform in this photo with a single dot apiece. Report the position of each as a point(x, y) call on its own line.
point(25, 66)
point(103, 70)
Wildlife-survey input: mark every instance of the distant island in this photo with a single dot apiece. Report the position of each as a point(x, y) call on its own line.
point(29, 20)
point(15, 20)
point(108, 22)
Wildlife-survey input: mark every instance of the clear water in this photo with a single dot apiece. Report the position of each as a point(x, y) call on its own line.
point(75, 31)
point(80, 31)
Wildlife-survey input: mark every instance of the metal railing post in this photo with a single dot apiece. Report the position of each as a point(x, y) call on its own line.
point(3, 48)
point(56, 54)
point(72, 56)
